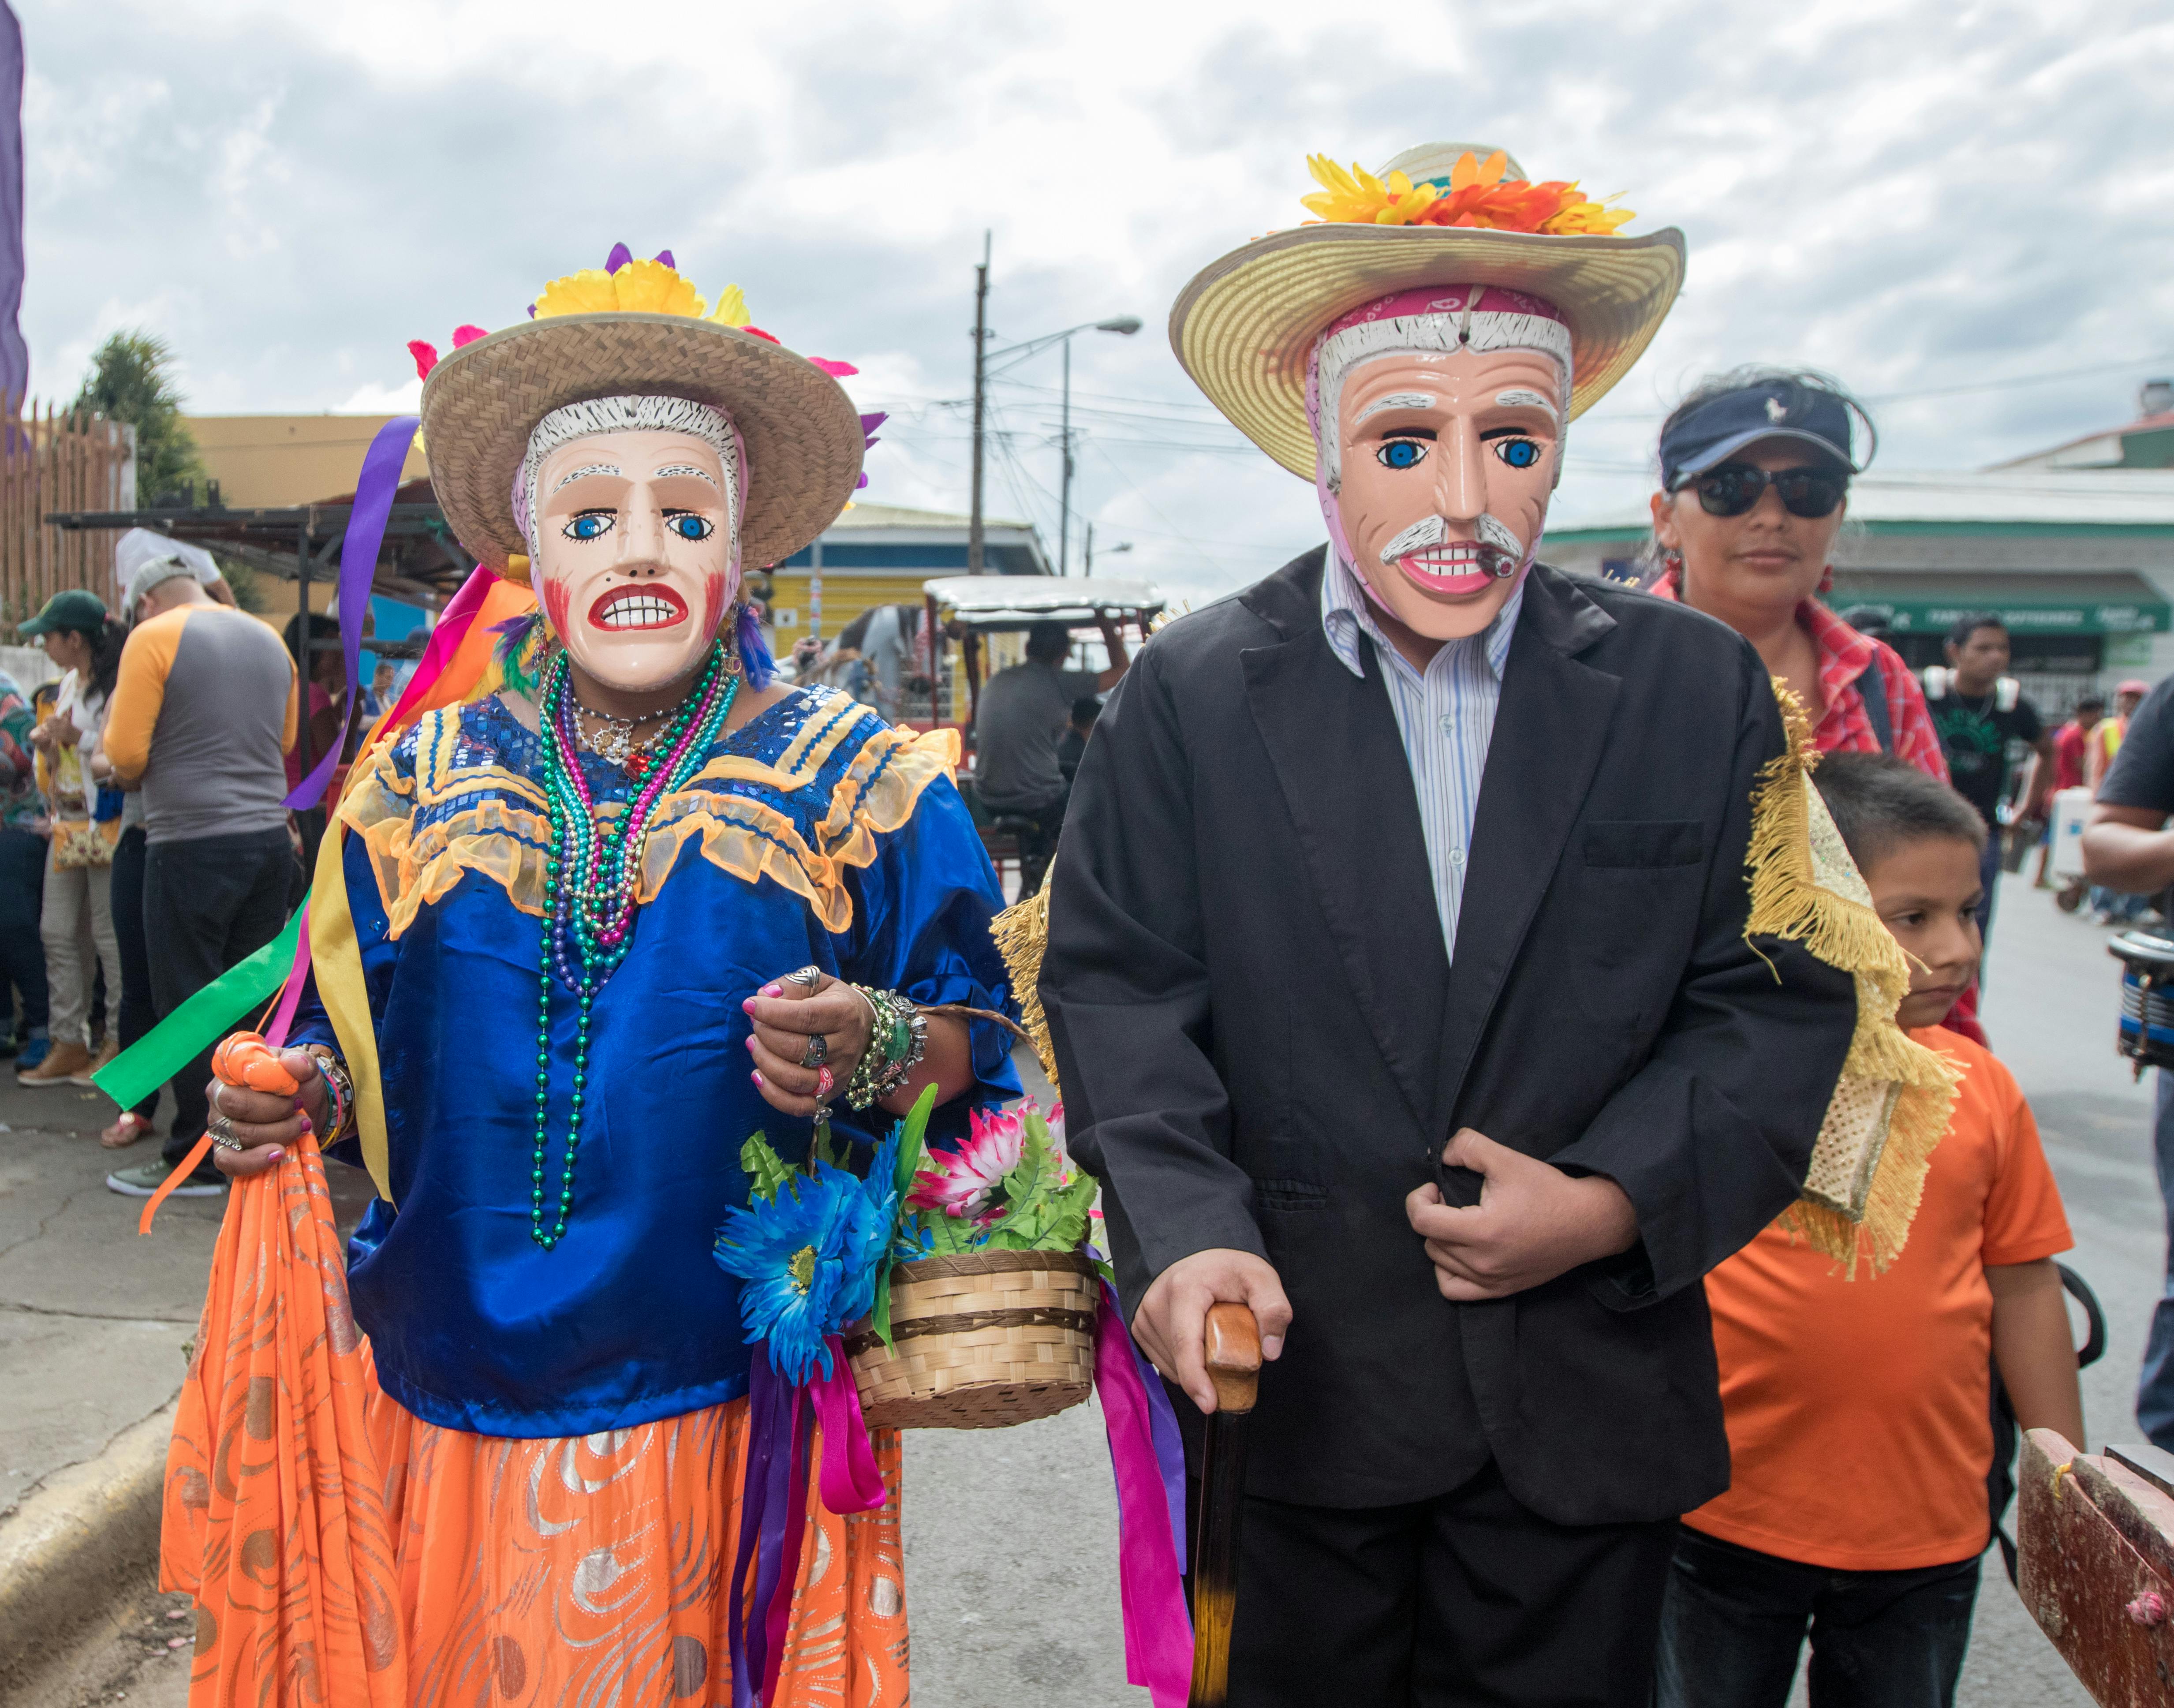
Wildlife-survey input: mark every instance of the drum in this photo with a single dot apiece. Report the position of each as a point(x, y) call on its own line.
point(2147, 999)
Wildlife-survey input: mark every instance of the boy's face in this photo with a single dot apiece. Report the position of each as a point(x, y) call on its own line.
point(1926, 892)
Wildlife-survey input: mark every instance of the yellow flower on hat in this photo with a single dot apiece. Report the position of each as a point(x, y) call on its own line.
point(1582, 216)
point(1358, 197)
point(732, 309)
point(639, 287)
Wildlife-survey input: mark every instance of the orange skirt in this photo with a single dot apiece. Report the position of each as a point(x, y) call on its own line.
point(344, 1554)
point(595, 1569)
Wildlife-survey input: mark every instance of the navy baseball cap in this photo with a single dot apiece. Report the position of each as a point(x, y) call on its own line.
point(1779, 408)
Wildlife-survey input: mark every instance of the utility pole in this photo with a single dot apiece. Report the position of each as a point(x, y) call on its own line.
point(974, 559)
point(1064, 503)
point(1087, 569)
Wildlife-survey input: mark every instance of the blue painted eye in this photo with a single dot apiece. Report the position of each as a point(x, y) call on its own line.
point(1518, 453)
point(592, 526)
point(1401, 453)
point(690, 527)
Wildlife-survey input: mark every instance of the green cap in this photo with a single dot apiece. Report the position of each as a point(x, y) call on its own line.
point(77, 608)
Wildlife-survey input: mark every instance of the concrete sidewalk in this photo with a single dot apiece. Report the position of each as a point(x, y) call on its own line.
point(94, 1320)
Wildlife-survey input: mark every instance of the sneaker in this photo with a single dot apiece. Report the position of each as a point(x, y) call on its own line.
point(92, 1066)
point(32, 1050)
point(62, 1065)
point(146, 1178)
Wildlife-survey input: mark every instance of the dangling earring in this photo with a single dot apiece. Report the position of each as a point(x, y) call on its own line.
point(1827, 581)
point(733, 666)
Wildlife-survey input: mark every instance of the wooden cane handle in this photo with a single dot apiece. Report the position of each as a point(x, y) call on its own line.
point(1233, 1352)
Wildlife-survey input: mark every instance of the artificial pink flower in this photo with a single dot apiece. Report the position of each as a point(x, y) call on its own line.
point(962, 1181)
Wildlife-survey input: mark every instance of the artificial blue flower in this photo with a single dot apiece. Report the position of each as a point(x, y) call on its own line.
point(811, 1256)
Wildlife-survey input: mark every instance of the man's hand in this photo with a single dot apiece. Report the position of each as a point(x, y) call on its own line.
point(266, 1122)
point(1172, 1318)
point(1532, 1224)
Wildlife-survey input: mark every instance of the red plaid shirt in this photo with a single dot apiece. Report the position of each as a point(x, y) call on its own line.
point(1845, 725)
point(1844, 655)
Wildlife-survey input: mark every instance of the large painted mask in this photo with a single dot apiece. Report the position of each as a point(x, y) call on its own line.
point(631, 509)
point(1438, 414)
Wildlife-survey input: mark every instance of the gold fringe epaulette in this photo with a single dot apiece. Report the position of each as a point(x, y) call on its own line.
point(1891, 1106)
point(1021, 932)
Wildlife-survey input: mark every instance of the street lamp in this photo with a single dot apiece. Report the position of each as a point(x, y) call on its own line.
point(1011, 356)
point(1108, 551)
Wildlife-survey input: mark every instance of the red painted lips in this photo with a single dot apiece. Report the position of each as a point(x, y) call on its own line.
point(651, 605)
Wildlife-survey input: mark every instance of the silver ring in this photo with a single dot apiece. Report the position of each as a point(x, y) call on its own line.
point(222, 1134)
point(816, 1052)
point(217, 1107)
point(807, 978)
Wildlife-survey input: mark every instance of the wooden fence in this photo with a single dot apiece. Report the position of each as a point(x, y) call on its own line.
point(51, 461)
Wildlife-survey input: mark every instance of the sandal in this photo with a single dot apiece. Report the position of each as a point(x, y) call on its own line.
point(125, 1131)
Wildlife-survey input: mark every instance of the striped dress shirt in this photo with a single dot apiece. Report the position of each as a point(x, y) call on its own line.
point(1446, 715)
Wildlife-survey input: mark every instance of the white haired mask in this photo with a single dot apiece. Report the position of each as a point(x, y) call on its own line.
point(628, 414)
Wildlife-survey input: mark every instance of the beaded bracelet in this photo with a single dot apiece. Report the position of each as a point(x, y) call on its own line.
point(896, 1045)
point(340, 1087)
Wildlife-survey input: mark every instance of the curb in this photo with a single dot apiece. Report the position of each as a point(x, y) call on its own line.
point(70, 1541)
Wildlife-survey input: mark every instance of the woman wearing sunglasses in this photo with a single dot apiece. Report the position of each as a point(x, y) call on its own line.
point(1756, 468)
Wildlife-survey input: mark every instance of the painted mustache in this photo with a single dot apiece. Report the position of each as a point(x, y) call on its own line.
point(1496, 552)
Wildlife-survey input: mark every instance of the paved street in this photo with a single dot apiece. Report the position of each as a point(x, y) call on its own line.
point(1010, 1535)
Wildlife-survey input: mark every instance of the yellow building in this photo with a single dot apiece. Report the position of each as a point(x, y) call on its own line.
point(272, 462)
point(879, 554)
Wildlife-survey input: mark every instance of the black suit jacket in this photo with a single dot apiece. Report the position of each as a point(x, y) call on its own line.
point(1264, 1045)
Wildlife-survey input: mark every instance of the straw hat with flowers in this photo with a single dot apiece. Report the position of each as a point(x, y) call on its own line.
point(1442, 214)
point(637, 328)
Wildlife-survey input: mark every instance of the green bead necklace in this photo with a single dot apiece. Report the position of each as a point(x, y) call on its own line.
point(590, 878)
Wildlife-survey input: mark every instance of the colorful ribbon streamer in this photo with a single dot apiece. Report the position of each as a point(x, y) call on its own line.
point(177, 1040)
point(374, 493)
point(298, 974)
point(850, 1480)
point(1158, 1631)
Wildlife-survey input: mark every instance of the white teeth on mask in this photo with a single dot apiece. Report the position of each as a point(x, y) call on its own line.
point(639, 611)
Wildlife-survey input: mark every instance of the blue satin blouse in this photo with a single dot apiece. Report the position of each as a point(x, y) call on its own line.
point(473, 1326)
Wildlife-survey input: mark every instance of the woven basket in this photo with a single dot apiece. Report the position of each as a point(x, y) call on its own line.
point(980, 1341)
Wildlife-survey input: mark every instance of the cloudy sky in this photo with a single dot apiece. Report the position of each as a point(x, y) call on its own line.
point(1961, 209)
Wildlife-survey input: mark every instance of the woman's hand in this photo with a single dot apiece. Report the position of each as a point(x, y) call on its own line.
point(264, 1123)
point(789, 1015)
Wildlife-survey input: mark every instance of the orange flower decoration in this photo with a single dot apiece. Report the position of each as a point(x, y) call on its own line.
point(1479, 196)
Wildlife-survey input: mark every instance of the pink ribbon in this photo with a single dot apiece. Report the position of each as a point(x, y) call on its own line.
point(850, 1481)
point(284, 1017)
point(1158, 1631)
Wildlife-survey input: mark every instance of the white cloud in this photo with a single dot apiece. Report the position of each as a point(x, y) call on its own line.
point(1912, 195)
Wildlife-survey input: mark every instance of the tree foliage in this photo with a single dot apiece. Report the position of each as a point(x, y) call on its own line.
point(131, 381)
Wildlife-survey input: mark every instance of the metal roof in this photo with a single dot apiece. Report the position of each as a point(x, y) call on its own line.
point(990, 599)
point(2110, 498)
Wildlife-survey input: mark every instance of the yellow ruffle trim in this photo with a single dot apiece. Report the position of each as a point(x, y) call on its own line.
point(506, 839)
point(1891, 1106)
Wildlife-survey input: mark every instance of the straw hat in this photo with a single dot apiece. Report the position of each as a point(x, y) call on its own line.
point(1246, 325)
point(804, 440)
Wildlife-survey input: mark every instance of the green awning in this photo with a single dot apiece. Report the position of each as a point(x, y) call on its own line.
point(2037, 604)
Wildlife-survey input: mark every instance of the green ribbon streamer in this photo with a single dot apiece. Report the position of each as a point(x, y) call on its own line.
point(168, 1046)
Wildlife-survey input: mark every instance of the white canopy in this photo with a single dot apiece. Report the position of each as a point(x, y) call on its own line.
point(989, 600)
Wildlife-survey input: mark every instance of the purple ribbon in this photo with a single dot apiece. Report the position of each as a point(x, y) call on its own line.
point(365, 531)
point(770, 1407)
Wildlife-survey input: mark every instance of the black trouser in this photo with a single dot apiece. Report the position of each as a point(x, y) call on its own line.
point(138, 1012)
point(1038, 846)
point(22, 901)
point(1468, 1599)
point(208, 903)
point(1735, 1620)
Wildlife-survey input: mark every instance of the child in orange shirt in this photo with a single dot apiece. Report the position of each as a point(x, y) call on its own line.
point(1859, 1412)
